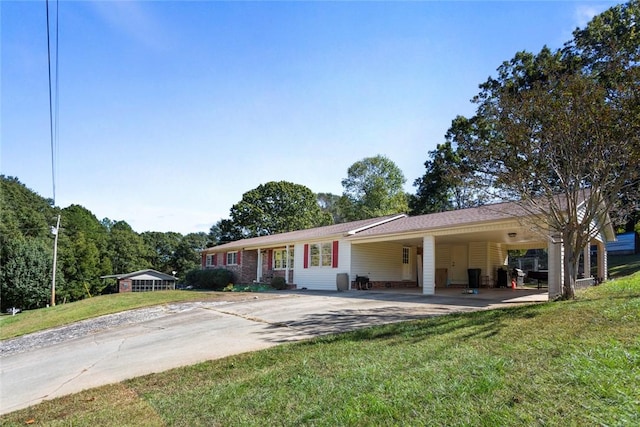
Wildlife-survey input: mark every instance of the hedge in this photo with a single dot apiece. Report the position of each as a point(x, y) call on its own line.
point(211, 278)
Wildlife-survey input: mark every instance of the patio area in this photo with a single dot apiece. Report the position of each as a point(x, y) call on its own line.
point(522, 294)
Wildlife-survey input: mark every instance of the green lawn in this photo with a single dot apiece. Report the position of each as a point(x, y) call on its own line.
point(563, 363)
point(623, 265)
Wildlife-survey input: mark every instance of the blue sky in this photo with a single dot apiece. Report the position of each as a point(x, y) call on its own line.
point(170, 110)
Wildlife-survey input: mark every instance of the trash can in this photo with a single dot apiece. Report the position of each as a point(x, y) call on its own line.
point(342, 281)
point(474, 277)
point(518, 274)
point(502, 278)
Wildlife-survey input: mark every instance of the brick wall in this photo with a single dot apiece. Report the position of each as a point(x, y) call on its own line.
point(249, 267)
point(244, 273)
point(124, 285)
point(389, 284)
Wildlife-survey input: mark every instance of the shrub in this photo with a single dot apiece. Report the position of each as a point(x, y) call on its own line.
point(278, 283)
point(212, 278)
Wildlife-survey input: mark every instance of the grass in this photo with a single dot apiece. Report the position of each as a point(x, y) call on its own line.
point(251, 287)
point(62, 314)
point(563, 363)
point(623, 265)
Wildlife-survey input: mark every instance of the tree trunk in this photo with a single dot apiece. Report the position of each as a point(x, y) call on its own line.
point(570, 264)
point(569, 286)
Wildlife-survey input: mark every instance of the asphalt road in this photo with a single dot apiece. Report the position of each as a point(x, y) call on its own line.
point(199, 332)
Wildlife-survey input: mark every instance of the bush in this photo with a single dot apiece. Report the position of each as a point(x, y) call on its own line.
point(212, 278)
point(278, 283)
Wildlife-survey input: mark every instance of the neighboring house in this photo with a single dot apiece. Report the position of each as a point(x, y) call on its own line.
point(625, 244)
point(143, 281)
point(428, 251)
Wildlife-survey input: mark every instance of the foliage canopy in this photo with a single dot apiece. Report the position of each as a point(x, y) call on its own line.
point(373, 187)
point(274, 207)
point(560, 131)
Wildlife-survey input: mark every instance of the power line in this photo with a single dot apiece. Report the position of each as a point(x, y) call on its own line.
point(53, 131)
point(57, 92)
point(51, 122)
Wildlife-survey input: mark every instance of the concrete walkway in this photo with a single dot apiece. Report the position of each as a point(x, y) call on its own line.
point(199, 332)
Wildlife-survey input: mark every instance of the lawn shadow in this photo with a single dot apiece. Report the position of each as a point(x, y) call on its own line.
point(401, 322)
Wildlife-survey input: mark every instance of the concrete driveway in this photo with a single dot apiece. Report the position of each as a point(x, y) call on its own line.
point(184, 334)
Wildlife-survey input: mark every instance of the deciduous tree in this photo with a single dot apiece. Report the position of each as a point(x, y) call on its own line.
point(447, 183)
point(186, 257)
point(126, 248)
point(373, 187)
point(330, 203)
point(161, 248)
point(274, 207)
point(26, 245)
point(26, 274)
point(225, 231)
point(82, 254)
point(556, 129)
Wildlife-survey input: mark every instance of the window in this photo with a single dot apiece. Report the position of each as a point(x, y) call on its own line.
point(141, 285)
point(232, 258)
point(209, 261)
point(405, 255)
point(280, 259)
point(321, 254)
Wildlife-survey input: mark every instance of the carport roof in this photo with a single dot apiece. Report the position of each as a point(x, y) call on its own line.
point(440, 220)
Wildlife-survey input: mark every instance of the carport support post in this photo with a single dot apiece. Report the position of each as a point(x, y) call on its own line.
point(586, 261)
point(259, 266)
point(602, 261)
point(556, 273)
point(286, 270)
point(429, 265)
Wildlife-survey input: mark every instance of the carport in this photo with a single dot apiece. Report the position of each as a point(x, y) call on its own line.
point(435, 252)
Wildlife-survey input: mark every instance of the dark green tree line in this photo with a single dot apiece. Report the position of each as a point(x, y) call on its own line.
point(87, 249)
point(26, 245)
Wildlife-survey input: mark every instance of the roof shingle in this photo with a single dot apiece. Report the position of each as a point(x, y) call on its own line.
point(329, 231)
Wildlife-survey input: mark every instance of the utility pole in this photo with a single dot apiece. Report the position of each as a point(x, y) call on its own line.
point(55, 262)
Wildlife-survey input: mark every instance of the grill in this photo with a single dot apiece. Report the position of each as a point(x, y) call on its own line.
point(362, 282)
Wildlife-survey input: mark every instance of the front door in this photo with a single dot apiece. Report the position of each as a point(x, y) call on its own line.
point(406, 263)
point(459, 265)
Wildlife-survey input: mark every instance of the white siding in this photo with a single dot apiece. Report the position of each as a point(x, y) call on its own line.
point(496, 259)
point(379, 261)
point(443, 256)
point(478, 256)
point(487, 256)
point(321, 278)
